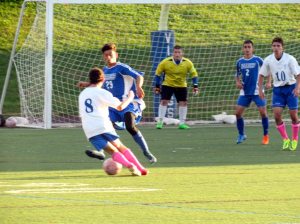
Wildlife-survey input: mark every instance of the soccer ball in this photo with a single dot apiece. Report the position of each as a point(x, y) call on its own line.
point(111, 167)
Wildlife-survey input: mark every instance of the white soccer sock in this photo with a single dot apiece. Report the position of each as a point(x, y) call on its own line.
point(182, 114)
point(161, 112)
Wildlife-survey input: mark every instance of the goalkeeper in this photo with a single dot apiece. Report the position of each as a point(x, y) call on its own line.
point(175, 69)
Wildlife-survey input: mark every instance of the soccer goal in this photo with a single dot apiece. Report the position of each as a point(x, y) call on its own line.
point(65, 37)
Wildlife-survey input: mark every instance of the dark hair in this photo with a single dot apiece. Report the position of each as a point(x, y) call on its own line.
point(278, 40)
point(248, 42)
point(109, 46)
point(96, 75)
point(177, 47)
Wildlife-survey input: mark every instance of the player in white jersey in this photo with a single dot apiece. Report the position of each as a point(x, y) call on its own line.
point(285, 73)
point(120, 79)
point(93, 109)
point(246, 78)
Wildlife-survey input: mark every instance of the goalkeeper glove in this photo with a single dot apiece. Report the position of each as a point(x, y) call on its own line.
point(195, 90)
point(157, 90)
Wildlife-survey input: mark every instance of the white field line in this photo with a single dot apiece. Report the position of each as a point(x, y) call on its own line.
point(79, 190)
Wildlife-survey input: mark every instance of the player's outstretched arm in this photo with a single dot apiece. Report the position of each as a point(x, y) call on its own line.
point(126, 102)
point(82, 84)
point(139, 90)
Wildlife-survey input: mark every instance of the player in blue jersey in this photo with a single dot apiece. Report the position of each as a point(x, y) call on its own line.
point(120, 78)
point(247, 69)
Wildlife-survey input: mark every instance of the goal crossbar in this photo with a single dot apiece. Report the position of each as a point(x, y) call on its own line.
point(161, 2)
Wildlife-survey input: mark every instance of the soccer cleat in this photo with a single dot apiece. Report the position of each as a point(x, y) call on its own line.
point(145, 172)
point(134, 171)
point(95, 154)
point(241, 138)
point(183, 126)
point(286, 144)
point(159, 125)
point(293, 145)
point(265, 140)
point(151, 158)
point(119, 125)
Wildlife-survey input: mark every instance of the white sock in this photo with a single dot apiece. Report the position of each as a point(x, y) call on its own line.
point(161, 112)
point(182, 114)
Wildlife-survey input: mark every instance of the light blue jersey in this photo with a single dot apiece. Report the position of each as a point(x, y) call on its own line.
point(248, 69)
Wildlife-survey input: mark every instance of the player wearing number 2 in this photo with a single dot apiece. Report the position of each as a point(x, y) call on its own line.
point(285, 73)
point(247, 68)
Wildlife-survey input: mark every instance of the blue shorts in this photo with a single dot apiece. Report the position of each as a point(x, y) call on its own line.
point(118, 116)
point(100, 141)
point(283, 95)
point(245, 101)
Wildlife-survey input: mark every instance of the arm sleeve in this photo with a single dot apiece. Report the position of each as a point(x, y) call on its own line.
point(159, 69)
point(157, 80)
point(264, 70)
point(127, 70)
point(193, 71)
point(108, 99)
point(195, 81)
point(294, 66)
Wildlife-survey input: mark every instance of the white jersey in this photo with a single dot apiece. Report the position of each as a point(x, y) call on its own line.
point(93, 110)
point(283, 71)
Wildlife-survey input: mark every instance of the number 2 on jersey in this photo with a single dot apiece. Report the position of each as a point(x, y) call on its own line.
point(88, 106)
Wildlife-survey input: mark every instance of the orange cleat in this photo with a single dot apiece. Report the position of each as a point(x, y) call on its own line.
point(265, 140)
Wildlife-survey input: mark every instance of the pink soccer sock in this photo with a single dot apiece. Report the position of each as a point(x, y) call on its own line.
point(120, 158)
point(282, 130)
point(131, 157)
point(295, 131)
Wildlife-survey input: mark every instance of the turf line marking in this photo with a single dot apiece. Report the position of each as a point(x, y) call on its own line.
point(158, 206)
point(79, 190)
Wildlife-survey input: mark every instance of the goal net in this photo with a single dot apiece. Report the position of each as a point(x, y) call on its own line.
point(210, 34)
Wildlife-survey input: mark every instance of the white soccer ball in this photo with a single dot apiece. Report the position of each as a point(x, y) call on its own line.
point(111, 167)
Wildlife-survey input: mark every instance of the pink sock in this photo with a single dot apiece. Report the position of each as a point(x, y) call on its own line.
point(282, 131)
point(120, 158)
point(295, 131)
point(131, 157)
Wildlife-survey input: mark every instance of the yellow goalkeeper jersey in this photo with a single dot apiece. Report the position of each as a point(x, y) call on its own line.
point(176, 74)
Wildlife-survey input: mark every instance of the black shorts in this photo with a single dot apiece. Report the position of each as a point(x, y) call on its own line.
point(179, 92)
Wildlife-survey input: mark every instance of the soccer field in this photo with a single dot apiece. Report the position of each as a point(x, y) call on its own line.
point(202, 177)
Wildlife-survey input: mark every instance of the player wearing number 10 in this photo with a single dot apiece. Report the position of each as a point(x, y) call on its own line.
point(285, 73)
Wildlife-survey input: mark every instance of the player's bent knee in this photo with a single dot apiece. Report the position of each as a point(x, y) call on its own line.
point(132, 130)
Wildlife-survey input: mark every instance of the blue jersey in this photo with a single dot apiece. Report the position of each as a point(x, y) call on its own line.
point(248, 69)
point(120, 79)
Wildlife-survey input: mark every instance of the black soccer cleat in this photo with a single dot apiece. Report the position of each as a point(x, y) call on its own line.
point(95, 154)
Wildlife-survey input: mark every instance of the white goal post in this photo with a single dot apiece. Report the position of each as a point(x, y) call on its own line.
point(65, 37)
